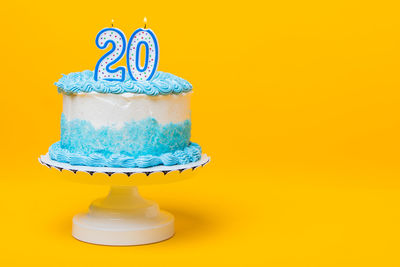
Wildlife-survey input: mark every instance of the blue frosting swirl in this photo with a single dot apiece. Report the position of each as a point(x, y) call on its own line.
point(189, 154)
point(161, 84)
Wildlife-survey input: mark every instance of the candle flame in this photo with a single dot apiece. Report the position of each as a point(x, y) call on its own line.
point(145, 22)
point(112, 22)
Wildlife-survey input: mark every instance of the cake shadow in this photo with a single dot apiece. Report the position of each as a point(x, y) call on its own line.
point(192, 224)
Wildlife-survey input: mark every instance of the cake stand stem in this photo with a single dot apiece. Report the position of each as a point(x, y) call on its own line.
point(123, 218)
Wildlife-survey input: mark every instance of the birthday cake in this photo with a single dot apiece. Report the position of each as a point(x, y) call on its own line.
point(127, 123)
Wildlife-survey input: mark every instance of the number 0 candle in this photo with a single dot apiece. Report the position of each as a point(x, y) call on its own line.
point(147, 39)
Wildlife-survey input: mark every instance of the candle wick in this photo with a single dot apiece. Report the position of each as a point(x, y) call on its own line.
point(112, 23)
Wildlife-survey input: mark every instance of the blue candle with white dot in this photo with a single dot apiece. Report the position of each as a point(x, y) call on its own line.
point(141, 39)
point(117, 39)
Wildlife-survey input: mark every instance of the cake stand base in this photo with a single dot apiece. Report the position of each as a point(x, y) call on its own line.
point(123, 218)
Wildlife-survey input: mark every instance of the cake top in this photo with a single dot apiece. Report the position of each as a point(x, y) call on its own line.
point(162, 83)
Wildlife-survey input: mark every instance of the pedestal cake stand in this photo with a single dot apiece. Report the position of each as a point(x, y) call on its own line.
point(123, 217)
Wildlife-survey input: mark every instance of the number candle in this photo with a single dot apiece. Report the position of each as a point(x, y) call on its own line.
point(142, 37)
point(117, 39)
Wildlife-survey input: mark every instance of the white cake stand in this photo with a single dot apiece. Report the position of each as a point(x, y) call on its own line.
point(123, 217)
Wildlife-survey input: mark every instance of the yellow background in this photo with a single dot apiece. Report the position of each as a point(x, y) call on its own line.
point(297, 102)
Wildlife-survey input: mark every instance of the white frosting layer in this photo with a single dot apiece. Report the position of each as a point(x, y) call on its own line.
point(116, 109)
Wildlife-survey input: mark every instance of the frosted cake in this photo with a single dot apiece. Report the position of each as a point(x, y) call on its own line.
point(125, 123)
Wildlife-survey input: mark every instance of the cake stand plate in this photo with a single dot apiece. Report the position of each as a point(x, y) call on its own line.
point(123, 217)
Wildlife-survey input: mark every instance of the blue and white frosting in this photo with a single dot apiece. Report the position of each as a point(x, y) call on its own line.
point(135, 138)
point(138, 144)
point(189, 154)
point(161, 84)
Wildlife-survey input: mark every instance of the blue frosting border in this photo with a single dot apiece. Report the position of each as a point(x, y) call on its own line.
point(162, 83)
point(189, 154)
